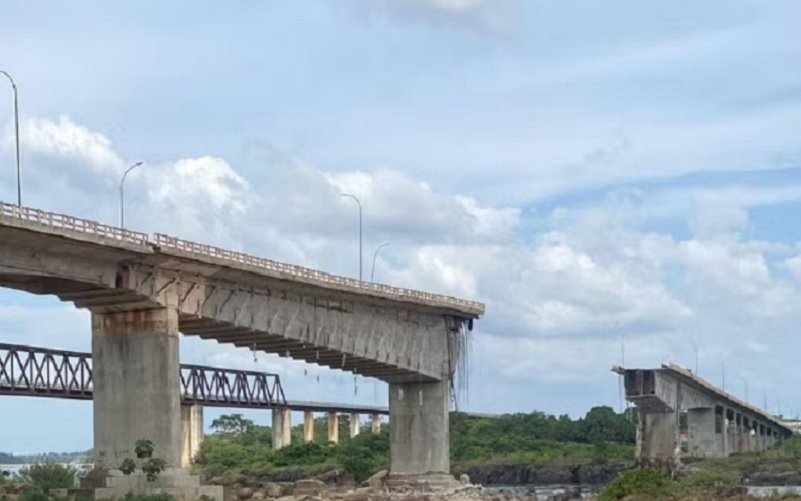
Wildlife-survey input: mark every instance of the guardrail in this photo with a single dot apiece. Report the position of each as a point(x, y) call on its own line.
point(65, 222)
point(292, 270)
point(62, 221)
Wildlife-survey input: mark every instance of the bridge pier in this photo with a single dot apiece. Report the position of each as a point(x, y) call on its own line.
point(419, 430)
point(355, 424)
point(137, 389)
point(137, 395)
point(191, 433)
point(282, 428)
point(658, 437)
point(375, 423)
point(701, 430)
point(308, 426)
point(333, 427)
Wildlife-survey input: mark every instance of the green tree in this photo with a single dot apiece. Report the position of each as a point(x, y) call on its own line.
point(48, 475)
point(234, 424)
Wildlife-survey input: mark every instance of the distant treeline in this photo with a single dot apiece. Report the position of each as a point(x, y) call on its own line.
point(58, 457)
point(241, 446)
point(512, 435)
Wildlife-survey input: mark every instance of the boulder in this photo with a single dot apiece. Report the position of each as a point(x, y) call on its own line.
point(273, 490)
point(464, 479)
point(377, 480)
point(308, 487)
point(258, 495)
point(245, 493)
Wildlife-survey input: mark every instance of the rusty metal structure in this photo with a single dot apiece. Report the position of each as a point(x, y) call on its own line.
point(41, 372)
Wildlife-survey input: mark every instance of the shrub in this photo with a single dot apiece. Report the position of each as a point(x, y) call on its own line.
point(647, 482)
point(791, 448)
point(708, 481)
point(33, 493)
point(49, 475)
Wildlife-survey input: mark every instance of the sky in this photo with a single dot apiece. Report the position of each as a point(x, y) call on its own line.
point(618, 181)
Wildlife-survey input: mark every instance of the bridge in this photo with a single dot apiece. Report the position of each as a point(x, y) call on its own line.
point(673, 403)
point(142, 291)
point(30, 371)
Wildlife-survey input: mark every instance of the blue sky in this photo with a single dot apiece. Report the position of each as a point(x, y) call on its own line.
point(593, 171)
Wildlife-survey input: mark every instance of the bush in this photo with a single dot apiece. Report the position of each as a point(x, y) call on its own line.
point(49, 475)
point(791, 448)
point(708, 481)
point(33, 493)
point(647, 482)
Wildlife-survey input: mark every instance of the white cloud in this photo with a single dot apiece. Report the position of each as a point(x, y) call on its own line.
point(65, 139)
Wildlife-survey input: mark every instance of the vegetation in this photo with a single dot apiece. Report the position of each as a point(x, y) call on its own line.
point(58, 457)
point(48, 475)
point(240, 446)
point(149, 465)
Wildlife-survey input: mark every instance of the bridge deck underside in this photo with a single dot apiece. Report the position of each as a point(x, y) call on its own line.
point(284, 347)
point(89, 296)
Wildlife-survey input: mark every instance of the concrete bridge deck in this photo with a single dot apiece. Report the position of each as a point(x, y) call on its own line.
point(717, 423)
point(143, 291)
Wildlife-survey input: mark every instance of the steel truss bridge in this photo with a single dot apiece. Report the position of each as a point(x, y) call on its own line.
point(31, 371)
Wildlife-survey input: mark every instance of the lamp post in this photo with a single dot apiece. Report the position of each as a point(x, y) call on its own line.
point(16, 135)
point(359, 203)
point(375, 255)
point(122, 192)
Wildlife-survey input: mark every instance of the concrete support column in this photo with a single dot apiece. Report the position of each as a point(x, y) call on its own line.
point(308, 426)
point(333, 427)
point(658, 437)
point(355, 425)
point(419, 429)
point(282, 428)
point(375, 423)
point(701, 433)
point(137, 385)
point(191, 433)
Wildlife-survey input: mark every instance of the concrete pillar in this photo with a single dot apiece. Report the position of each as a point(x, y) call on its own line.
point(375, 423)
point(701, 433)
point(355, 425)
point(308, 426)
point(419, 428)
point(658, 437)
point(282, 428)
point(137, 385)
point(191, 433)
point(740, 433)
point(333, 427)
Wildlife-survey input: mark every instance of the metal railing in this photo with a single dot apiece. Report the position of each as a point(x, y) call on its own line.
point(70, 223)
point(166, 241)
point(86, 226)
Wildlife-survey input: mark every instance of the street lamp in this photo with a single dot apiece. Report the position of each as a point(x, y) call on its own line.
point(358, 202)
point(375, 255)
point(16, 135)
point(122, 192)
